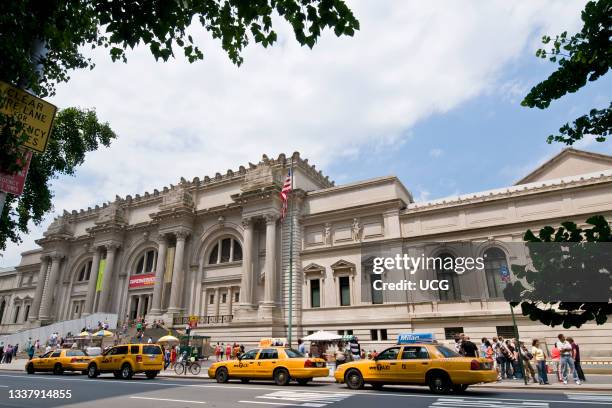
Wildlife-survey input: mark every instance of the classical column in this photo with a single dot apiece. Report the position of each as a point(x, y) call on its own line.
point(217, 302)
point(91, 285)
point(40, 285)
point(140, 312)
point(107, 278)
point(230, 300)
point(246, 284)
point(45, 306)
point(159, 275)
point(205, 302)
point(270, 264)
point(177, 275)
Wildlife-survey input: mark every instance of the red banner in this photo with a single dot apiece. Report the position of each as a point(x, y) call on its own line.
point(13, 183)
point(138, 281)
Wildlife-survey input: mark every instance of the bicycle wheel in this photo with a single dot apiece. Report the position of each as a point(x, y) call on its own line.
point(195, 368)
point(179, 368)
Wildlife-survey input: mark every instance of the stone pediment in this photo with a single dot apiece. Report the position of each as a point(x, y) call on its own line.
point(570, 162)
point(177, 198)
point(258, 177)
point(342, 264)
point(59, 227)
point(111, 214)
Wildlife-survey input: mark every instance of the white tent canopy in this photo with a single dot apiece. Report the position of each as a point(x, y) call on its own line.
point(322, 335)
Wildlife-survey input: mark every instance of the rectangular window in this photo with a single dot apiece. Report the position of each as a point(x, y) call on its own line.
point(383, 334)
point(374, 334)
point(223, 297)
point(150, 259)
point(237, 297)
point(345, 291)
point(16, 314)
point(506, 332)
point(349, 332)
point(451, 332)
point(212, 299)
point(340, 332)
point(27, 312)
point(226, 245)
point(315, 293)
point(121, 350)
point(134, 349)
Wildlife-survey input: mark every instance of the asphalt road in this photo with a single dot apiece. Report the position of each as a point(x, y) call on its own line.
point(108, 392)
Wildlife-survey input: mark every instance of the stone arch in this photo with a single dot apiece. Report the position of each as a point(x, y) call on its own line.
point(75, 264)
point(211, 235)
point(132, 254)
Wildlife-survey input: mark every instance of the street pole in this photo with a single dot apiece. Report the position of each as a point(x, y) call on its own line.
point(518, 345)
point(38, 51)
point(290, 323)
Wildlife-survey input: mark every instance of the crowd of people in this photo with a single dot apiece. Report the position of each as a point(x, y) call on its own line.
point(228, 351)
point(515, 360)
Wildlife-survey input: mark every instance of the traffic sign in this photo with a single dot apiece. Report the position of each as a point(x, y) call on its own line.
point(36, 115)
point(13, 183)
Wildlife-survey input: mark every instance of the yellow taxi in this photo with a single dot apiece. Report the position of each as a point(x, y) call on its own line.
point(280, 363)
point(125, 360)
point(59, 361)
point(418, 363)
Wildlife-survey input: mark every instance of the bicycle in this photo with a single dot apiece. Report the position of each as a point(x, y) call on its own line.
point(185, 364)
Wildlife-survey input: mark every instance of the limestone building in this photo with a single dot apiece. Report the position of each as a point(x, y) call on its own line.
point(215, 248)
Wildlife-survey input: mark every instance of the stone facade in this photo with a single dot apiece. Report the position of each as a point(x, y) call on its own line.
point(215, 248)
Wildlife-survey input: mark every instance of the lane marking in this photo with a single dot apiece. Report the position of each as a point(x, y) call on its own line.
point(270, 403)
point(168, 399)
point(462, 402)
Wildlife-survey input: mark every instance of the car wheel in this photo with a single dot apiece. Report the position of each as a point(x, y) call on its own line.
point(303, 381)
point(151, 374)
point(245, 380)
point(58, 369)
point(378, 386)
point(30, 369)
point(281, 376)
point(92, 371)
point(126, 372)
point(460, 388)
point(353, 379)
point(221, 375)
point(439, 383)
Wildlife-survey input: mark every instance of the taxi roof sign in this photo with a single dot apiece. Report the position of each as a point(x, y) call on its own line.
point(408, 338)
point(273, 342)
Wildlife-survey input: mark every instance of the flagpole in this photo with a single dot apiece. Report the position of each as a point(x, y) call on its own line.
point(290, 323)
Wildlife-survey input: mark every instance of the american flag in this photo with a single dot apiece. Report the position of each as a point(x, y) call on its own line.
point(284, 194)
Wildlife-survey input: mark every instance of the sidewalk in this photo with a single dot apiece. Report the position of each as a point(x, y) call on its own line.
point(596, 382)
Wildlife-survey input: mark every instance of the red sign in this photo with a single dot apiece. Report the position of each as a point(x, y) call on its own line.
point(138, 281)
point(13, 183)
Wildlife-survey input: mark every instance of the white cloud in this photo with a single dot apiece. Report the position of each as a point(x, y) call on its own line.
point(435, 153)
point(409, 61)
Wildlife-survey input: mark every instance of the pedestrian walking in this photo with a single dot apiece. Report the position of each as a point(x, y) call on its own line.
point(468, 348)
point(567, 362)
point(218, 352)
point(222, 351)
point(576, 357)
point(228, 351)
point(555, 356)
point(540, 360)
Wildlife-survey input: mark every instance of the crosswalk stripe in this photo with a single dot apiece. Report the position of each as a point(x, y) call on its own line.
point(296, 398)
point(491, 403)
point(589, 397)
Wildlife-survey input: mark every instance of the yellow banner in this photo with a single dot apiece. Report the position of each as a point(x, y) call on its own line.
point(169, 265)
point(100, 275)
point(36, 115)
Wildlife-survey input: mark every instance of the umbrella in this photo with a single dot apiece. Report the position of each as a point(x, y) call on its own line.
point(84, 334)
point(322, 335)
point(168, 339)
point(103, 333)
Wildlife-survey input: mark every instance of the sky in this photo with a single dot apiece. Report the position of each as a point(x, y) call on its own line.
point(427, 91)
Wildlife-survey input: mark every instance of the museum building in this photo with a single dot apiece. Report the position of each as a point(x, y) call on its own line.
point(216, 248)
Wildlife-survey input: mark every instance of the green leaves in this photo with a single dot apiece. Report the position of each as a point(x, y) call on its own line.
point(75, 133)
point(583, 57)
point(563, 272)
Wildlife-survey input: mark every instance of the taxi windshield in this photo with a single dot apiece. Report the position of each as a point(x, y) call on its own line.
point(291, 353)
point(446, 352)
point(75, 353)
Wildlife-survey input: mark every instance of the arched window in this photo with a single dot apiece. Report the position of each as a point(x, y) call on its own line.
point(494, 262)
point(225, 250)
point(444, 272)
point(146, 262)
point(84, 272)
